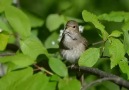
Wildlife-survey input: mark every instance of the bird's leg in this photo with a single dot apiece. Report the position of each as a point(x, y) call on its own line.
point(71, 66)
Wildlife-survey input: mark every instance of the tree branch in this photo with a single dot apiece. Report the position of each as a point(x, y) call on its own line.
point(116, 79)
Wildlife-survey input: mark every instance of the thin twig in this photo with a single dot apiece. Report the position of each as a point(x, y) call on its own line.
point(6, 54)
point(96, 43)
point(43, 69)
point(97, 82)
point(116, 79)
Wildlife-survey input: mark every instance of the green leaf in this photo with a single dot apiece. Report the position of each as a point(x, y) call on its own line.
point(35, 32)
point(19, 21)
point(36, 82)
point(51, 86)
point(115, 16)
point(11, 79)
point(126, 41)
point(51, 41)
point(125, 29)
point(3, 41)
point(106, 49)
point(115, 33)
point(20, 60)
point(55, 78)
point(124, 66)
point(89, 17)
point(89, 57)
point(69, 84)
point(125, 26)
point(5, 27)
point(58, 67)
point(116, 51)
point(4, 4)
point(32, 47)
point(35, 21)
point(54, 21)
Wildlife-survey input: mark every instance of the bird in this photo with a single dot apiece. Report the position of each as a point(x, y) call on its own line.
point(72, 43)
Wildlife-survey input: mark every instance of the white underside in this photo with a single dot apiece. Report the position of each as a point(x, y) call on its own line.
point(73, 55)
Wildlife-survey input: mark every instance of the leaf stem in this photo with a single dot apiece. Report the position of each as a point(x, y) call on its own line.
point(43, 69)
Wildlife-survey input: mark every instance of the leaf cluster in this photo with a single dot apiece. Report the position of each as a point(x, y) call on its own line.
point(36, 63)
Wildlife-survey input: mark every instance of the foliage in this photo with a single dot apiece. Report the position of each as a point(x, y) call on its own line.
point(29, 38)
point(86, 58)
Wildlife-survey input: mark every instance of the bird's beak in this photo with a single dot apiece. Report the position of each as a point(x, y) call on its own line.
point(67, 30)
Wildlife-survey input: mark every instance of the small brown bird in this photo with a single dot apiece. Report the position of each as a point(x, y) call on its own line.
point(72, 43)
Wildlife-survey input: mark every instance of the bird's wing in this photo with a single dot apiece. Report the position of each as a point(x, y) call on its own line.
point(85, 42)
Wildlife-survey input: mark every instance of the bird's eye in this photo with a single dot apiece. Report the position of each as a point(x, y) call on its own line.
point(74, 26)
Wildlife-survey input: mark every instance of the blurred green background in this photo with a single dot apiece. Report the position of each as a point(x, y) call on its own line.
point(72, 9)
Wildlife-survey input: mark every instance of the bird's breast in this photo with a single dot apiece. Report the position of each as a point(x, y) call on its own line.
point(69, 42)
point(72, 55)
